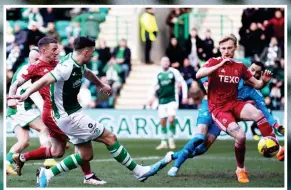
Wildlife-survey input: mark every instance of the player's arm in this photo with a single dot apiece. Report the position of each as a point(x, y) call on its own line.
point(12, 92)
point(105, 88)
point(259, 84)
point(209, 67)
point(44, 81)
point(14, 86)
point(182, 82)
point(37, 100)
point(153, 92)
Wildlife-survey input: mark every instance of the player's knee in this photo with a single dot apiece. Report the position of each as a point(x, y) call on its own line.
point(171, 120)
point(87, 157)
point(241, 137)
point(58, 153)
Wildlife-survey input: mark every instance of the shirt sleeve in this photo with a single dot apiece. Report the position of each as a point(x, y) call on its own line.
point(246, 74)
point(62, 71)
point(30, 72)
point(181, 80)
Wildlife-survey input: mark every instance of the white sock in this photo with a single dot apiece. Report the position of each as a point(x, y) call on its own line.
point(49, 174)
point(239, 169)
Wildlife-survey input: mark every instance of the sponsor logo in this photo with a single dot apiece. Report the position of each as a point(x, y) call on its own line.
point(90, 125)
point(228, 79)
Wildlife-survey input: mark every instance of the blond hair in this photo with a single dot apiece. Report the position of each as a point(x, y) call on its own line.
point(228, 37)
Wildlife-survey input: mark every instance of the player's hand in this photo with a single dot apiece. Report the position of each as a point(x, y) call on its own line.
point(266, 76)
point(230, 60)
point(12, 103)
point(20, 98)
point(184, 101)
point(151, 101)
point(106, 89)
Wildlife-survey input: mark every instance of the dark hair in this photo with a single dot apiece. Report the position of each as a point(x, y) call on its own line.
point(46, 41)
point(260, 64)
point(83, 42)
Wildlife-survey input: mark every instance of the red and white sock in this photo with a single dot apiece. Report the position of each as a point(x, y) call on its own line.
point(265, 128)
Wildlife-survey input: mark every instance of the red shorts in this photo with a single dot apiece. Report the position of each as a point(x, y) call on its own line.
point(54, 130)
point(227, 114)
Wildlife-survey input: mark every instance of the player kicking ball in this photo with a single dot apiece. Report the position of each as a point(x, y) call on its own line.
point(65, 81)
point(24, 116)
point(207, 127)
point(224, 75)
point(166, 90)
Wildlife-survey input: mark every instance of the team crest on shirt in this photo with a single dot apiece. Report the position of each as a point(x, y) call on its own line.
point(222, 70)
point(236, 72)
point(45, 70)
point(170, 75)
point(224, 120)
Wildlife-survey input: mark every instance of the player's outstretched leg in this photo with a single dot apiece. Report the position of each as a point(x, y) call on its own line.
point(69, 163)
point(121, 155)
point(186, 153)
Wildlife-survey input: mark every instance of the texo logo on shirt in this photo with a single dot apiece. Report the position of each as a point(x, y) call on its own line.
point(228, 79)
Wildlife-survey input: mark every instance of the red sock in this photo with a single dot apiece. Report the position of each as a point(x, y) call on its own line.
point(240, 150)
point(38, 154)
point(265, 128)
point(86, 168)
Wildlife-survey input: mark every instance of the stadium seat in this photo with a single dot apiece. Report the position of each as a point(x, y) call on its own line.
point(61, 26)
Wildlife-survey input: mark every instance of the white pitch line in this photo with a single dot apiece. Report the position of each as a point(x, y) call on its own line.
point(160, 157)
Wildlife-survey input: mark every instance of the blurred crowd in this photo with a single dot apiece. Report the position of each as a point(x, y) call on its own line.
point(261, 37)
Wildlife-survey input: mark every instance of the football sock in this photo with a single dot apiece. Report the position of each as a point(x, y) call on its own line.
point(240, 150)
point(9, 157)
point(199, 150)
point(69, 163)
point(265, 128)
point(37, 154)
point(172, 129)
point(164, 133)
point(120, 154)
point(188, 149)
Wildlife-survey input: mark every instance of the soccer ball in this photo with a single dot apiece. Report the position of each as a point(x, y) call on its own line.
point(268, 146)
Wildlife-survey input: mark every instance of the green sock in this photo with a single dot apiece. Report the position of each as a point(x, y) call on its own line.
point(9, 157)
point(172, 129)
point(69, 163)
point(164, 133)
point(121, 155)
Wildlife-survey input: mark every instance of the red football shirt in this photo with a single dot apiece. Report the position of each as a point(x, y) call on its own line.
point(223, 83)
point(35, 72)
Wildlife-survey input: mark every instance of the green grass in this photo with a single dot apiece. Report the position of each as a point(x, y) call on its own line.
point(214, 169)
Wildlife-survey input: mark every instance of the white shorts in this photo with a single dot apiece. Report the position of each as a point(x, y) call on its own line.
point(80, 128)
point(166, 110)
point(23, 118)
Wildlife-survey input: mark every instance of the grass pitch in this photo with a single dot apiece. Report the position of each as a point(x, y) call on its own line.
point(216, 168)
